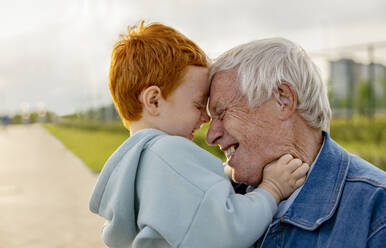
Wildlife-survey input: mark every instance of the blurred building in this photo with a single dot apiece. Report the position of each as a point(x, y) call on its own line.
point(104, 113)
point(346, 75)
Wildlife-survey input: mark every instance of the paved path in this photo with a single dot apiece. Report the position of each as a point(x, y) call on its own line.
point(44, 193)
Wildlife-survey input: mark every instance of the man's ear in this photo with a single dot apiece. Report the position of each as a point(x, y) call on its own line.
point(150, 98)
point(287, 100)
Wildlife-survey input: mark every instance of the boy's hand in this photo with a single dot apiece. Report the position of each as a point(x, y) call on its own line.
point(283, 176)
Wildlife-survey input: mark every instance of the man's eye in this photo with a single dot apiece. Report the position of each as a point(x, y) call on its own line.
point(221, 114)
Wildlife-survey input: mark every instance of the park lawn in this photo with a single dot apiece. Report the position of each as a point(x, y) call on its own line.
point(92, 146)
point(94, 143)
point(371, 152)
point(363, 137)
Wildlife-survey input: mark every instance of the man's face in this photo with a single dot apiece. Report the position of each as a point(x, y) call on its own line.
point(249, 137)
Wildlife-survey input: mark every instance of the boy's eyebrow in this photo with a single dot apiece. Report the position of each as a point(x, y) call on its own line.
point(202, 97)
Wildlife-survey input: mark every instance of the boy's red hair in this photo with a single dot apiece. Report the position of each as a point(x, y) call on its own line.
point(149, 55)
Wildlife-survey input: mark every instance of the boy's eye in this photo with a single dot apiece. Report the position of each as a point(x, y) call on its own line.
point(200, 106)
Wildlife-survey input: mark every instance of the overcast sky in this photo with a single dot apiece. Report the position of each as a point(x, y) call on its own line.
point(56, 53)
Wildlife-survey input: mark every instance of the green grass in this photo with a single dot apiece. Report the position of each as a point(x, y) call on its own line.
point(94, 142)
point(364, 137)
point(199, 139)
point(92, 146)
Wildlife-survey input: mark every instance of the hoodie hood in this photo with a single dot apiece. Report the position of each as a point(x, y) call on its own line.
point(114, 194)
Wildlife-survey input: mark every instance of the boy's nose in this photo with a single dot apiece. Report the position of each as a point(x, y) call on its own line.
point(205, 117)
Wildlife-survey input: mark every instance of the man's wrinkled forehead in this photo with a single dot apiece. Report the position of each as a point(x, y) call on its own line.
point(222, 80)
point(224, 89)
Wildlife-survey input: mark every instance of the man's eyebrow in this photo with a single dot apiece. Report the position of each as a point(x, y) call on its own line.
point(215, 108)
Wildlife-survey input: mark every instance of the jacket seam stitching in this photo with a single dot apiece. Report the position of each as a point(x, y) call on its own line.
point(204, 192)
point(300, 221)
point(191, 222)
point(336, 193)
point(338, 190)
point(378, 226)
point(196, 213)
point(366, 180)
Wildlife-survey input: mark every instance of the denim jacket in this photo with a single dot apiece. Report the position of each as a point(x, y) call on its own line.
point(342, 204)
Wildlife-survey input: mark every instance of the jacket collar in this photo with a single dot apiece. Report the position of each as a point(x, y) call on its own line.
point(320, 195)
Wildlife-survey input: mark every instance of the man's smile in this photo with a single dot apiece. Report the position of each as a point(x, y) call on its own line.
point(230, 150)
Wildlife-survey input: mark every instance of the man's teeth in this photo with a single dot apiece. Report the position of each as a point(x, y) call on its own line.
point(230, 151)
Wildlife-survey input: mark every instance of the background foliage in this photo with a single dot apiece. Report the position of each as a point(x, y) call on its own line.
point(94, 142)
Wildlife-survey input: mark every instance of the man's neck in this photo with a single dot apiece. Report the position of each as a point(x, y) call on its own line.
point(305, 142)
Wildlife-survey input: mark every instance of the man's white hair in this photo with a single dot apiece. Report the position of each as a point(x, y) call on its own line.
point(263, 64)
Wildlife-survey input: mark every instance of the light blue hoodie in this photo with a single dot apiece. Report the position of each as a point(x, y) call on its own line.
point(159, 190)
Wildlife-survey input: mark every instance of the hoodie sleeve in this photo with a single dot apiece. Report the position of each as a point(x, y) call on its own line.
point(226, 219)
point(186, 200)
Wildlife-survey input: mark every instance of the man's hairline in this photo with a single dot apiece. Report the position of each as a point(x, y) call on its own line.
point(210, 79)
point(236, 68)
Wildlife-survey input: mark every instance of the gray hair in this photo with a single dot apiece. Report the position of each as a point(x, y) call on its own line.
point(263, 64)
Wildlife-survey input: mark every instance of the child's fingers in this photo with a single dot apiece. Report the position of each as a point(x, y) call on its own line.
point(300, 182)
point(285, 158)
point(301, 171)
point(294, 164)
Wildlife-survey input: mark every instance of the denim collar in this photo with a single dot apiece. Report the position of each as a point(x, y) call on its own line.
point(320, 195)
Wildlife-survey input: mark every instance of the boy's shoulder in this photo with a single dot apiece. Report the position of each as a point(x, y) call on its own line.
point(178, 148)
point(170, 142)
point(184, 157)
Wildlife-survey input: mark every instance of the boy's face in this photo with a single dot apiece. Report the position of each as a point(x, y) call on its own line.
point(185, 109)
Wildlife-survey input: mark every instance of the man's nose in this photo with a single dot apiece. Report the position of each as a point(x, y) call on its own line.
point(214, 133)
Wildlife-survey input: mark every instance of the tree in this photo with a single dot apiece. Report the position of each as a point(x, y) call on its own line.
point(363, 101)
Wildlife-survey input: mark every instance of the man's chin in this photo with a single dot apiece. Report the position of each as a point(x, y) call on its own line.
point(236, 178)
point(240, 179)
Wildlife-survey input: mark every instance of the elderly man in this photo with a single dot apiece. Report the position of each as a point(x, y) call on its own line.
point(267, 99)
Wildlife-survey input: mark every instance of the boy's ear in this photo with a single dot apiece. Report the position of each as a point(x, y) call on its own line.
point(150, 98)
point(287, 100)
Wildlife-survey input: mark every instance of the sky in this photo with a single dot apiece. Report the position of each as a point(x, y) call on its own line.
point(55, 54)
